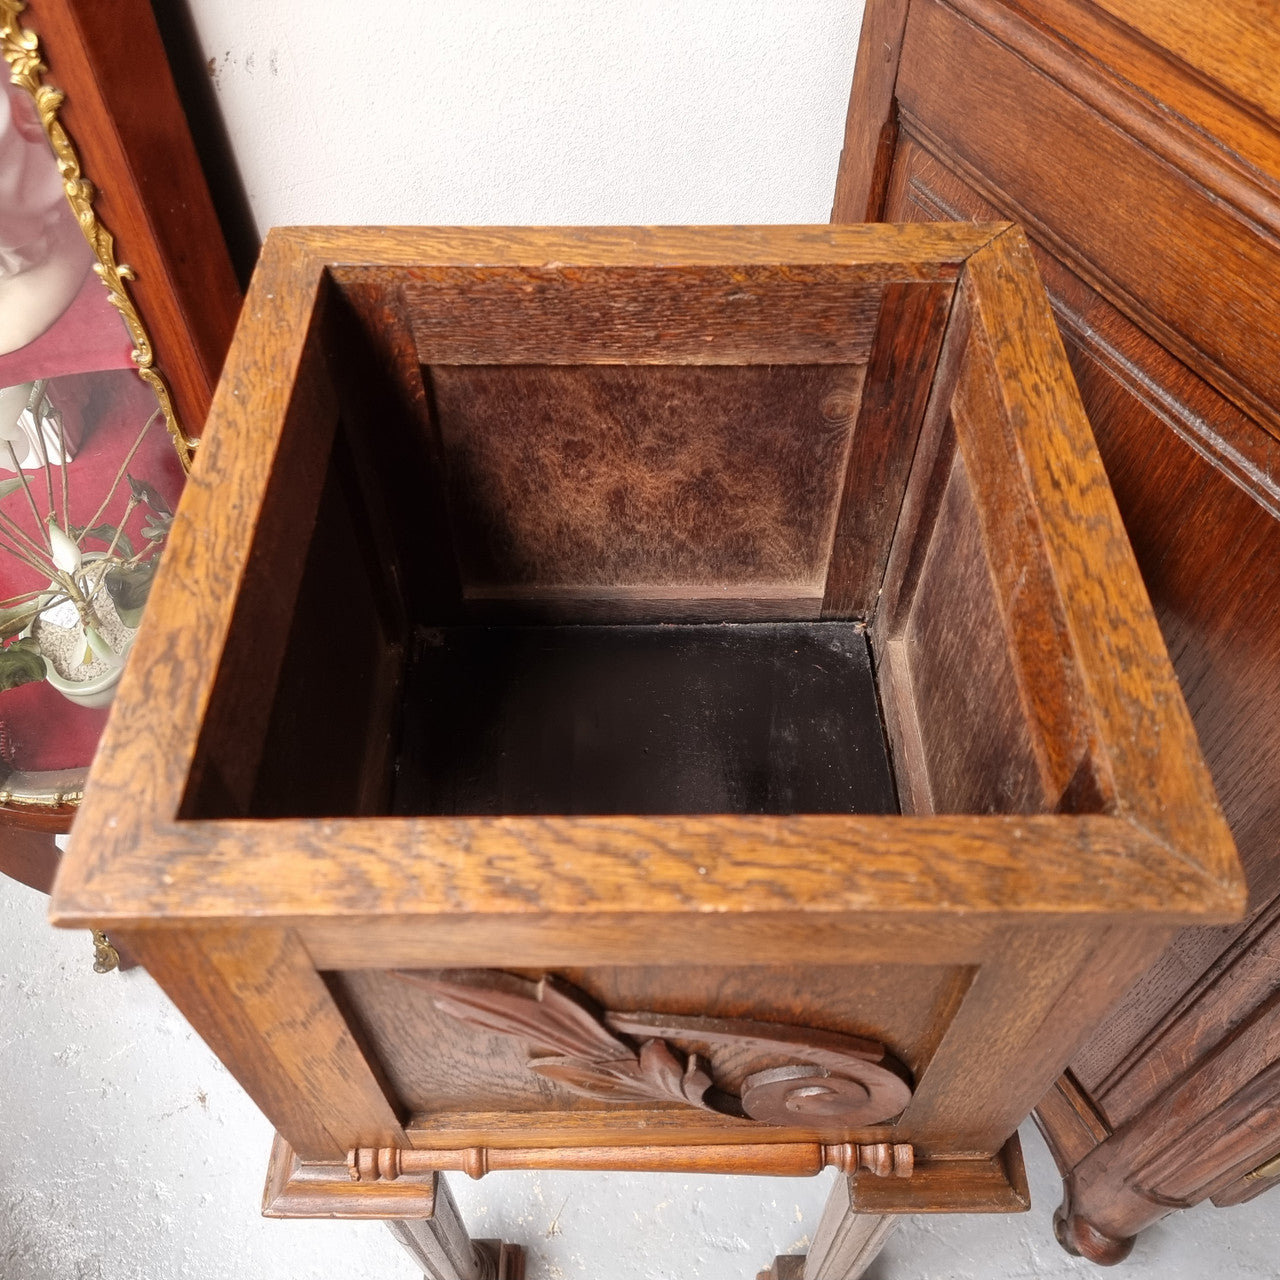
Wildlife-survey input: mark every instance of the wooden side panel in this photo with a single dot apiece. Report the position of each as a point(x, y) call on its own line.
point(1234, 44)
point(871, 125)
point(224, 769)
point(648, 482)
point(1186, 99)
point(1028, 1008)
point(331, 754)
point(399, 456)
point(255, 997)
point(899, 379)
point(1192, 476)
point(980, 676)
point(978, 747)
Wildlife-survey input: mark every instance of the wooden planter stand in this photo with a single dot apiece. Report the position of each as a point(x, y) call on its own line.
point(669, 699)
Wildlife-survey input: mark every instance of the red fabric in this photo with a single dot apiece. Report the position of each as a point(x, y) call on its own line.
point(39, 728)
point(90, 334)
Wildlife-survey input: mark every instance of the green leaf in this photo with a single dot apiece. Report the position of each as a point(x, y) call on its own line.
point(21, 663)
point(104, 533)
point(147, 493)
point(10, 486)
point(19, 617)
point(128, 587)
point(157, 527)
point(101, 649)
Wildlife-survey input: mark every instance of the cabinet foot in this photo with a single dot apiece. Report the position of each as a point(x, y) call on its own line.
point(1080, 1238)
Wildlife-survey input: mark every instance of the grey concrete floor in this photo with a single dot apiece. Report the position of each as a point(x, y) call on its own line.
point(128, 1153)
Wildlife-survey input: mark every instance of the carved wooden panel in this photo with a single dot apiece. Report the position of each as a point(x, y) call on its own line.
point(830, 1080)
point(457, 1077)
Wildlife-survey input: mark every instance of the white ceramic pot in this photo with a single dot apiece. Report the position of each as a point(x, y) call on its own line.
point(97, 692)
point(101, 689)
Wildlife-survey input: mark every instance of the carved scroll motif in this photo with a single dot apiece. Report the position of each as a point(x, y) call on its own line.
point(831, 1082)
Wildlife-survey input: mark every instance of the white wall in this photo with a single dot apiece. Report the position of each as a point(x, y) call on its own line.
point(533, 111)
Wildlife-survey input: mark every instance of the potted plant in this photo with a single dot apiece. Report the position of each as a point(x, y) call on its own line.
point(75, 628)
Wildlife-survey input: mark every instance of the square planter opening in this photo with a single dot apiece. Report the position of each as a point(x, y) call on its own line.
point(626, 612)
point(686, 537)
point(733, 627)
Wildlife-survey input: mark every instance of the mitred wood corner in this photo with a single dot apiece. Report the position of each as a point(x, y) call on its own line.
point(310, 1189)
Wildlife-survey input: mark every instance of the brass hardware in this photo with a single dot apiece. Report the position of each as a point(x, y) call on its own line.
point(22, 52)
point(105, 956)
point(1269, 1170)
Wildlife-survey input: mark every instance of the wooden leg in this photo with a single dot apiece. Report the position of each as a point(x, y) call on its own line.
point(844, 1245)
point(30, 857)
point(441, 1247)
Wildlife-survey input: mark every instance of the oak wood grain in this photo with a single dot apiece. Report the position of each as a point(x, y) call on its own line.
point(28, 856)
point(903, 360)
point(1169, 102)
point(951, 74)
point(1013, 931)
point(870, 129)
point(554, 874)
point(1145, 736)
point(1212, 44)
point(845, 1243)
point(256, 999)
point(516, 1128)
point(553, 315)
point(987, 1184)
point(1169, 118)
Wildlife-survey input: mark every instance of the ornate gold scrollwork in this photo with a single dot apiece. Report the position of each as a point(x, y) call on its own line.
point(105, 957)
point(22, 52)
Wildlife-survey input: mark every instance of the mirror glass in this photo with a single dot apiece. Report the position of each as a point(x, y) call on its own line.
point(89, 477)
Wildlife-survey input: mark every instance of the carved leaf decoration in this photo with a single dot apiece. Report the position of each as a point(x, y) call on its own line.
point(839, 1082)
point(542, 1013)
point(611, 1082)
point(666, 1078)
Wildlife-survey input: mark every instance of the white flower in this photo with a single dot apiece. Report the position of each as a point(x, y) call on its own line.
point(66, 555)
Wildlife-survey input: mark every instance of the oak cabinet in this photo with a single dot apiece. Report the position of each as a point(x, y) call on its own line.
point(648, 699)
point(1138, 143)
